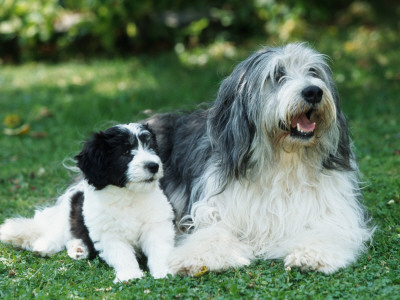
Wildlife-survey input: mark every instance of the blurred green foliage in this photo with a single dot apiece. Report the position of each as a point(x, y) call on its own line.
point(56, 29)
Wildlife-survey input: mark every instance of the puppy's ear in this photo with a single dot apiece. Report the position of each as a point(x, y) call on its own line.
point(93, 160)
point(147, 127)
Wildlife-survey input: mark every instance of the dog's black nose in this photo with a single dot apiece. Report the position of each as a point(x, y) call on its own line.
point(152, 167)
point(312, 94)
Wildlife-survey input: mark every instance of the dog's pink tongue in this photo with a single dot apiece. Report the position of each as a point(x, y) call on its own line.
point(304, 123)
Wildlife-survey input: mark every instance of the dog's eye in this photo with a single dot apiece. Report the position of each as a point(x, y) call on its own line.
point(279, 73)
point(133, 144)
point(144, 137)
point(313, 72)
point(127, 152)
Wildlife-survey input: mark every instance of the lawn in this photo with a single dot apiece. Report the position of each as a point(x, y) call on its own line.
point(63, 103)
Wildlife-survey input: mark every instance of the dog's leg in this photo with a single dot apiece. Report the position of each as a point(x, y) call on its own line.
point(157, 244)
point(325, 251)
point(77, 249)
point(121, 256)
point(213, 247)
point(314, 258)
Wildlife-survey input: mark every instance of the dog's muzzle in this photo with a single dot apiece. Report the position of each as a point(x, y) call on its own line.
point(301, 125)
point(312, 94)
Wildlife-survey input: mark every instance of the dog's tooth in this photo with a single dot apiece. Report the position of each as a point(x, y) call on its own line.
point(298, 127)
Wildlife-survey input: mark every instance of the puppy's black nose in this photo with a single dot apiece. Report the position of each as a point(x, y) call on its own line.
point(152, 167)
point(312, 94)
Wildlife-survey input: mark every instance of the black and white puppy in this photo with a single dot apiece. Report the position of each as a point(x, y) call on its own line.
point(115, 210)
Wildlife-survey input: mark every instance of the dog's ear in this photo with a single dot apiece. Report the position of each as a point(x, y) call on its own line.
point(93, 160)
point(341, 160)
point(153, 144)
point(229, 125)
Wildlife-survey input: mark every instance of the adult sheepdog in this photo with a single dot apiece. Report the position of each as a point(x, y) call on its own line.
point(267, 171)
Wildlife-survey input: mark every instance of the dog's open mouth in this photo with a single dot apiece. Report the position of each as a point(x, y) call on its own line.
point(301, 126)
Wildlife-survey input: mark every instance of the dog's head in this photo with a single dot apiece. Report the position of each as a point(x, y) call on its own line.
point(280, 99)
point(123, 156)
point(301, 106)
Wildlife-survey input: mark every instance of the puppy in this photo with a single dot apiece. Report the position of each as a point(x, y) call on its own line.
point(117, 209)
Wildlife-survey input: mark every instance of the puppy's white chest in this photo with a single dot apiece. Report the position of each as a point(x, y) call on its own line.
point(123, 216)
point(128, 223)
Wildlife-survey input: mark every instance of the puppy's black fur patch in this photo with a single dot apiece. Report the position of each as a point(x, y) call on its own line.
point(77, 223)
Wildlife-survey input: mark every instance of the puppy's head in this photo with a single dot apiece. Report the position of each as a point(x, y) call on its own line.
point(123, 156)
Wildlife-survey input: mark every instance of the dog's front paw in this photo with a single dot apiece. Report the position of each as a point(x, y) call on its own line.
point(77, 249)
point(182, 266)
point(310, 259)
point(190, 264)
point(127, 275)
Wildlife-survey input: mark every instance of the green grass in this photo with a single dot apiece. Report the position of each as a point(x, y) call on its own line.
point(63, 103)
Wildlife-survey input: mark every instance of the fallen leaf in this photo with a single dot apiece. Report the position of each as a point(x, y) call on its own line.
point(43, 112)
point(203, 271)
point(39, 134)
point(22, 130)
point(12, 120)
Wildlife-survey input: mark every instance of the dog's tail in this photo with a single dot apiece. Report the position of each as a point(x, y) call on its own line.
point(20, 232)
point(46, 233)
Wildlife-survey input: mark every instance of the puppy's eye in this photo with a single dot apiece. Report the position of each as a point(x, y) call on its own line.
point(145, 137)
point(127, 152)
point(279, 73)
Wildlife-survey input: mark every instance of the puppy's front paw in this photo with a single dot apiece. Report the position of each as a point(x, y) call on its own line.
point(161, 273)
point(126, 275)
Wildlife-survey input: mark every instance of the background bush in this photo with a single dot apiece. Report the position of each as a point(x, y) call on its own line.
point(54, 29)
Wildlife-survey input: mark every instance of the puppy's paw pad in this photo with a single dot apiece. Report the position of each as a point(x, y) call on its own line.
point(77, 249)
point(78, 253)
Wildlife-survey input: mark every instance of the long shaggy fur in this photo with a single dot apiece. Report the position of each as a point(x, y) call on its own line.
point(267, 171)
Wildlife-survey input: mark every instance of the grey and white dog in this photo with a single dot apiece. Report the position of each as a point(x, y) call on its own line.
point(267, 171)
